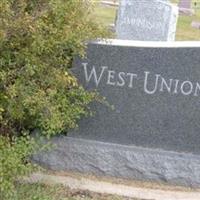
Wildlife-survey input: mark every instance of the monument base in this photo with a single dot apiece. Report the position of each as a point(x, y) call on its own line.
point(121, 161)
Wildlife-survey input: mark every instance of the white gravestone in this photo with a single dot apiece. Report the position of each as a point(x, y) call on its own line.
point(146, 20)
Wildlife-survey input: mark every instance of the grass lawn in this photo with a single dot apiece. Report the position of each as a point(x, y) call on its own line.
point(43, 192)
point(106, 15)
point(184, 29)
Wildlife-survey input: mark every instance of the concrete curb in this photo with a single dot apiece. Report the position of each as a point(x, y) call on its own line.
point(121, 161)
point(104, 187)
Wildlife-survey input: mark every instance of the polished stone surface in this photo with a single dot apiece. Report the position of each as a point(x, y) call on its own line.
point(155, 92)
point(185, 7)
point(195, 24)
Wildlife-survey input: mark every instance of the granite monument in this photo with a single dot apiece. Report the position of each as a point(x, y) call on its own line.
point(146, 20)
point(195, 24)
point(150, 129)
point(185, 7)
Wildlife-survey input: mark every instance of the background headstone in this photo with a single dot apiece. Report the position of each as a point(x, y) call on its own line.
point(195, 24)
point(156, 119)
point(185, 7)
point(146, 20)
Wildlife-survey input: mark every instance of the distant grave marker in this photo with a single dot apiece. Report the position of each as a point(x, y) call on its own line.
point(185, 7)
point(146, 20)
point(195, 24)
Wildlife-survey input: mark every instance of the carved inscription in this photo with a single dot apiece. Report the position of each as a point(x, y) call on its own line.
point(152, 83)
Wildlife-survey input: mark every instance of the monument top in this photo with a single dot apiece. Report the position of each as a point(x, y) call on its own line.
point(138, 43)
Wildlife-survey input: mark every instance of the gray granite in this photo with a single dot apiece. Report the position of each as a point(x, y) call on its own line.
point(153, 131)
point(155, 92)
point(105, 159)
point(146, 20)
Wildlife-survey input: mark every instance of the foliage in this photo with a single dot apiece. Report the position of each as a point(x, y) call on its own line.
point(13, 162)
point(38, 39)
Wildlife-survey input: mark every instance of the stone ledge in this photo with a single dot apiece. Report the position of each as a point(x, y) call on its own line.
point(105, 187)
point(121, 161)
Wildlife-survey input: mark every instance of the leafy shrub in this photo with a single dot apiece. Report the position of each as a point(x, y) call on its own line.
point(38, 39)
point(14, 163)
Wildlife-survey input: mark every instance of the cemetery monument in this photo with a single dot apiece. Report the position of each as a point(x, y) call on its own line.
point(149, 128)
point(152, 131)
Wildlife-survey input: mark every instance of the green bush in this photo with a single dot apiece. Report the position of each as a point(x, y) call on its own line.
point(38, 39)
point(14, 163)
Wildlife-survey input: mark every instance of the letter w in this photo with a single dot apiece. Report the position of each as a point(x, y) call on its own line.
point(93, 74)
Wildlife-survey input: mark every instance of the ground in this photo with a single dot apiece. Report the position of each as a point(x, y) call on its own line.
point(106, 15)
point(44, 192)
point(91, 187)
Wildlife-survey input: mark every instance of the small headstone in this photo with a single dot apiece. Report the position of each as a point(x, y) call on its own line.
point(146, 20)
point(195, 24)
point(185, 7)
